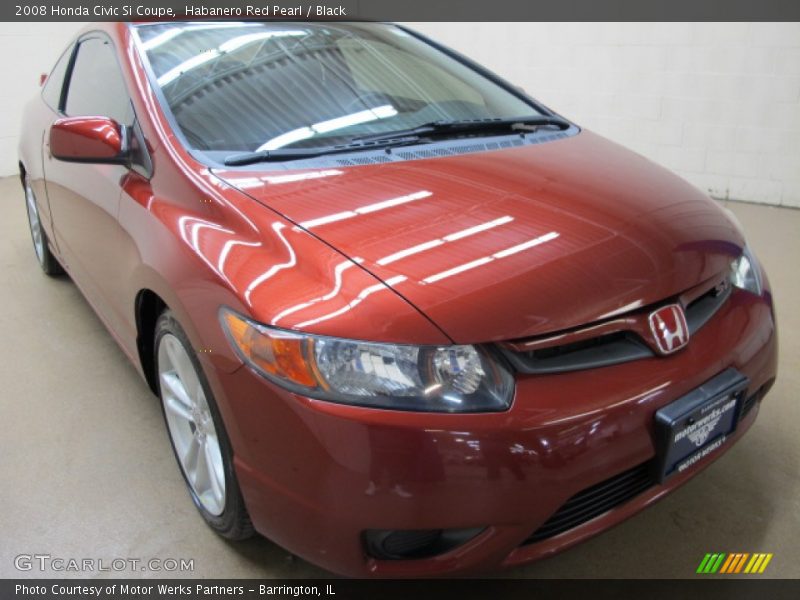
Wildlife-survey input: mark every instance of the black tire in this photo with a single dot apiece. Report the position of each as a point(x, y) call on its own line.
point(44, 256)
point(234, 522)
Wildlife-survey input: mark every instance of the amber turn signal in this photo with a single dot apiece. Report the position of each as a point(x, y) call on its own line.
point(278, 353)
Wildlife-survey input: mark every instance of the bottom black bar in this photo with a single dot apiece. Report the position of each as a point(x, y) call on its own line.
point(732, 587)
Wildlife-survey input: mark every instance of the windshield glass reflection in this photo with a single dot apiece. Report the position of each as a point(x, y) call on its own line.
point(264, 86)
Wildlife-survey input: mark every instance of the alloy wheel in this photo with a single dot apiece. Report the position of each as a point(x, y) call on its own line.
point(191, 425)
point(33, 221)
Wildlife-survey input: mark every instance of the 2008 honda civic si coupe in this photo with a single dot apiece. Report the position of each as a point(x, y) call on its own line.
point(403, 320)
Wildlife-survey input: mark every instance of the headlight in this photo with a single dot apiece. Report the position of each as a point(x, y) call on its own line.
point(400, 377)
point(744, 273)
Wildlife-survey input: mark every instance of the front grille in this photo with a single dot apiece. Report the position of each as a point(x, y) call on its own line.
point(615, 347)
point(601, 351)
point(699, 311)
point(596, 500)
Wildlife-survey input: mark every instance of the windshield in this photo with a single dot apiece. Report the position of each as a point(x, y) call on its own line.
point(268, 86)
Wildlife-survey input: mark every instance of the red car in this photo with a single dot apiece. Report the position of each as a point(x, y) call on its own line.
point(403, 319)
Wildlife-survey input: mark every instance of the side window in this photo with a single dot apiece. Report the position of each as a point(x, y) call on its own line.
point(51, 93)
point(96, 86)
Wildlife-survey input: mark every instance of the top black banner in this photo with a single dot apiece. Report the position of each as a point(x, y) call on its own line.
point(404, 10)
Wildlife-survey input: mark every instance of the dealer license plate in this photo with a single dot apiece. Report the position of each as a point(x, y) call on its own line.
point(699, 423)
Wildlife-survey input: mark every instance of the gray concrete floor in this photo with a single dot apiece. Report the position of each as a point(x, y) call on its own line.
point(87, 471)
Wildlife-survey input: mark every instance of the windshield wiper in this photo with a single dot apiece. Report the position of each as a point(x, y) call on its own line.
point(401, 137)
point(287, 154)
point(457, 126)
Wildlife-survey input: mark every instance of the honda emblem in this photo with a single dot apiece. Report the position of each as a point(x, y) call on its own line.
point(669, 328)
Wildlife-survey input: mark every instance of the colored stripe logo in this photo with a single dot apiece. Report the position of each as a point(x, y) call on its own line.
point(737, 562)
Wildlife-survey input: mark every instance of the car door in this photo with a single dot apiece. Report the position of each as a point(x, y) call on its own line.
point(84, 197)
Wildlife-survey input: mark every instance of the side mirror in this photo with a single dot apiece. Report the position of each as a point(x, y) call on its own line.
point(89, 140)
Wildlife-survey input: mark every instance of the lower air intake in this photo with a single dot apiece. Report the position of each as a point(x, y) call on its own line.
point(596, 500)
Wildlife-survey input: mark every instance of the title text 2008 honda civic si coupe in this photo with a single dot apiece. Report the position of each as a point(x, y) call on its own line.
point(403, 319)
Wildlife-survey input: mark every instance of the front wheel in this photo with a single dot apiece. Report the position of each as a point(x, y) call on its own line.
point(47, 261)
point(197, 433)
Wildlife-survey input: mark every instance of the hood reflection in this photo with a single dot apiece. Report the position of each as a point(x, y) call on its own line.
point(487, 259)
point(440, 241)
point(367, 209)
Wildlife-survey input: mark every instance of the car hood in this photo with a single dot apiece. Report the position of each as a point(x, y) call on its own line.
point(512, 243)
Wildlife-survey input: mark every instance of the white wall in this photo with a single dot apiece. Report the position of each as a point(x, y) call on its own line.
point(719, 103)
point(27, 50)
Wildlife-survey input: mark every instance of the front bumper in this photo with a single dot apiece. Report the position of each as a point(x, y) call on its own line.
point(315, 475)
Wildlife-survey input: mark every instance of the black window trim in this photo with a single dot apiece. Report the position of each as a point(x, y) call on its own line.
point(70, 49)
